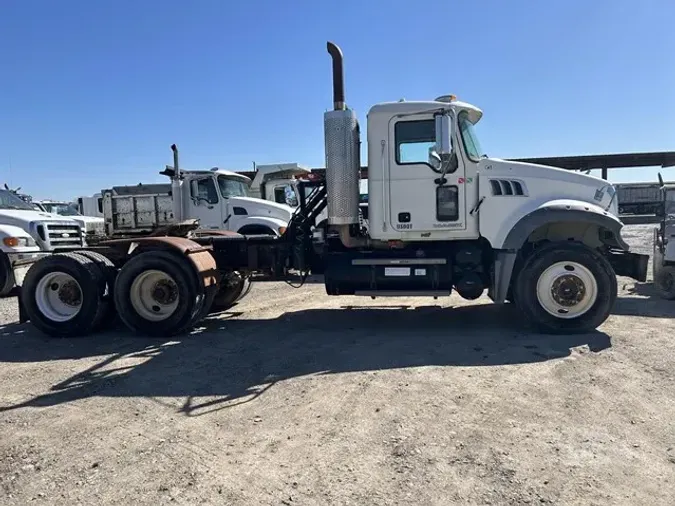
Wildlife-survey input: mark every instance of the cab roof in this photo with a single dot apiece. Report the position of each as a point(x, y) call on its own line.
point(405, 107)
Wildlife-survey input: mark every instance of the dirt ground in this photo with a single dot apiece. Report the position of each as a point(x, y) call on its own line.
point(296, 398)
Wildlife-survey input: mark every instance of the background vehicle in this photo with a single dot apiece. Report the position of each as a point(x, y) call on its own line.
point(90, 206)
point(218, 199)
point(92, 225)
point(443, 217)
point(663, 260)
point(25, 232)
point(638, 198)
point(280, 183)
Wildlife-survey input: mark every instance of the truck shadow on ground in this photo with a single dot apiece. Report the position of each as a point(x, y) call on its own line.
point(229, 360)
point(646, 303)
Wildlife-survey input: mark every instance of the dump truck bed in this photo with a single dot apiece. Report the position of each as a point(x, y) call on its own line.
point(137, 209)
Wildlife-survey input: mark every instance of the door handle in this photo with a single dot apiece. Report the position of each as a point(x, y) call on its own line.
point(209, 207)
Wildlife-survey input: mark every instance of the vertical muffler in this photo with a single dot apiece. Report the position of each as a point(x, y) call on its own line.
point(342, 145)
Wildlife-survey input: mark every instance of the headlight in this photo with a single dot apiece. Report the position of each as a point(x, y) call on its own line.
point(18, 242)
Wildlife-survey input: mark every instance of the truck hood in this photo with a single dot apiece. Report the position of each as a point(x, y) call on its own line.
point(260, 207)
point(91, 224)
point(568, 183)
point(22, 218)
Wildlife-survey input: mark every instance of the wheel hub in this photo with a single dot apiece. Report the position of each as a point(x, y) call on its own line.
point(164, 292)
point(568, 290)
point(69, 293)
point(154, 295)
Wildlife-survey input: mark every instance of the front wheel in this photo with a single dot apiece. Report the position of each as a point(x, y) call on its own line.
point(566, 288)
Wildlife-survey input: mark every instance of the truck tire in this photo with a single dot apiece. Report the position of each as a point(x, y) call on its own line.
point(109, 272)
point(6, 275)
point(256, 230)
point(228, 295)
point(158, 294)
point(664, 281)
point(62, 295)
point(565, 288)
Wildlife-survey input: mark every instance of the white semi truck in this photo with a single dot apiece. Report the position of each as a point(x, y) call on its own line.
point(443, 217)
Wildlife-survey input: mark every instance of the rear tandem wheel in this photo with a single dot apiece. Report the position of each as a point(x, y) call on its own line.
point(64, 295)
point(159, 294)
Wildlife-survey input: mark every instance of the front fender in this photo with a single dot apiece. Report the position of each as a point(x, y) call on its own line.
point(272, 223)
point(562, 211)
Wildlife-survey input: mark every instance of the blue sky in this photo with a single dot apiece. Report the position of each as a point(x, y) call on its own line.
point(94, 93)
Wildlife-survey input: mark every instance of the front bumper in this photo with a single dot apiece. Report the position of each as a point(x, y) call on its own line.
point(632, 265)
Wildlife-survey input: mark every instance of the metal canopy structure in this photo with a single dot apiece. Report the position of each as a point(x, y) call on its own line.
point(603, 162)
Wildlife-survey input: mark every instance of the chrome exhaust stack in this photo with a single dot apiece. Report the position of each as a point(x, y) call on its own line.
point(343, 159)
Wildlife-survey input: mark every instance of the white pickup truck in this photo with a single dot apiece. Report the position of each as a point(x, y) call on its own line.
point(26, 232)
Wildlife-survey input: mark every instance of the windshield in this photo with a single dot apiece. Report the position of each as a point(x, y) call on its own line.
point(61, 209)
point(10, 201)
point(469, 138)
point(230, 187)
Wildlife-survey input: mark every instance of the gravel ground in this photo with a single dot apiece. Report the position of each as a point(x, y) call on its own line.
point(297, 398)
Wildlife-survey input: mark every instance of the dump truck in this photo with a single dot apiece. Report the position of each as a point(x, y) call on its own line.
point(443, 218)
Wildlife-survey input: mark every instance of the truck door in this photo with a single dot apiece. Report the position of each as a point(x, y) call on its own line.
point(417, 204)
point(204, 203)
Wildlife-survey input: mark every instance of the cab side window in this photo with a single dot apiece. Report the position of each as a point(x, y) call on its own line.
point(413, 141)
point(280, 194)
point(206, 189)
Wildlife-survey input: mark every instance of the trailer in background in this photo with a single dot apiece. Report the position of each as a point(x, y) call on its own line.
point(638, 198)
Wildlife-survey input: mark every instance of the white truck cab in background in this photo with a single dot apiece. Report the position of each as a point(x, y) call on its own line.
point(92, 225)
point(90, 206)
point(26, 232)
point(279, 182)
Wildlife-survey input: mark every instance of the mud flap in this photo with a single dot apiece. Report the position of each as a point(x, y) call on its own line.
point(632, 265)
point(23, 316)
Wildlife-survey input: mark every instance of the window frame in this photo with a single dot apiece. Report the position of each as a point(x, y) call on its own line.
point(216, 192)
point(397, 143)
point(462, 137)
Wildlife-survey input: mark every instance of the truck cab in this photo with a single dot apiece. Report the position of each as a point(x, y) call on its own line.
point(277, 182)
point(220, 199)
